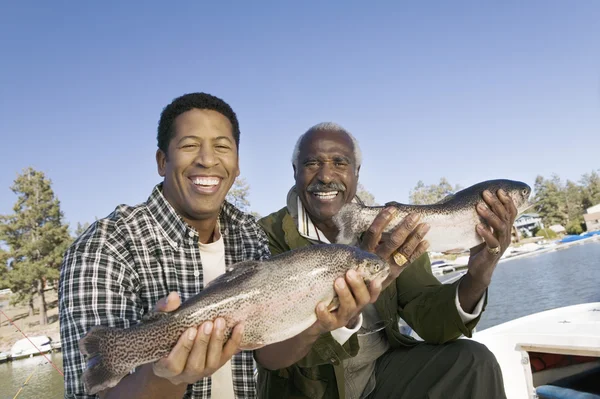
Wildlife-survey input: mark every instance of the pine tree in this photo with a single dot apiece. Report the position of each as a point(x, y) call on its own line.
point(81, 228)
point(36, 238)
point(591, 189)
point(550, 200)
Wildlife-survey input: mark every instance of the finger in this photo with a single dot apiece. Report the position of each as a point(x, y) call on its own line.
point(495, 204)
point(196, 361)
point(215, 346)
point(168, 303)
point(175, 362)
point(374, 290)
point(413, 241)
point(348, 306)
point(358, 288)
point(326, 319)
point(490, 240)
point(420, 250)
point(398, 236)
point(372, 236)
point(491, 218)
point(509, 205)
point(233, 343)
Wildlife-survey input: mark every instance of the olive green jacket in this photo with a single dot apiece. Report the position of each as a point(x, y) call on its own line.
point(417, 296)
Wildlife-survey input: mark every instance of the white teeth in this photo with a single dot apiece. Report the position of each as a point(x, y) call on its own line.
point(206, 181)
point(326, 195)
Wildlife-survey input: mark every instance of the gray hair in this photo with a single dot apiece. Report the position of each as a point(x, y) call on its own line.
point(329, 127)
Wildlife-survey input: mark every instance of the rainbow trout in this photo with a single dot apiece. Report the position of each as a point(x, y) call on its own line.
point(452, 220)
point(275, 298)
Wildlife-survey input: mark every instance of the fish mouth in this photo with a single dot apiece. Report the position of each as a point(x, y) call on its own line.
point(379, 276)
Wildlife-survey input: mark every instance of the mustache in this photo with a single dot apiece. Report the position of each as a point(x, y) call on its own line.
point(321, 187)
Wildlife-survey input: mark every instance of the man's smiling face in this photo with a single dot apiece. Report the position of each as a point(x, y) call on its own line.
point(201, 164)
point(326, 175)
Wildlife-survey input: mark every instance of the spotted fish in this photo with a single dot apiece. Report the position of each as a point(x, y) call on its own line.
point(452, 220)
point(275, 298)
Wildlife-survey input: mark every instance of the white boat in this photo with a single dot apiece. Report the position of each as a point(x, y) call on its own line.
point(551, 354)
point(25, 348)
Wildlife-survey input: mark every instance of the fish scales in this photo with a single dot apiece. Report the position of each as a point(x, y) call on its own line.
point(275, 298)
point(452, 221)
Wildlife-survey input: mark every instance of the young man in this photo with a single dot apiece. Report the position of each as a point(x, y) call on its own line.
point(364, 354)
point(162, 252)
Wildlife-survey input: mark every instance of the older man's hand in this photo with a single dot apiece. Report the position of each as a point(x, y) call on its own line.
point(401, 246)
point(499, 214)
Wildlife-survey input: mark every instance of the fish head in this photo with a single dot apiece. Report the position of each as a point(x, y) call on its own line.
point(372, 268)
point(519, 192)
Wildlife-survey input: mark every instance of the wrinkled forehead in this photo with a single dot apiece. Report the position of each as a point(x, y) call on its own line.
point(327, 143)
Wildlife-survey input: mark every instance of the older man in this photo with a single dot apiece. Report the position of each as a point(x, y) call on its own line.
point(358, 351)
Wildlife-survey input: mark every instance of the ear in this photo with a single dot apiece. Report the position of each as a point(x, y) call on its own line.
point(357, 172)
point(161, 161)
point(294, 166)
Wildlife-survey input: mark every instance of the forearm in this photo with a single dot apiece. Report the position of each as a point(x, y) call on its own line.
point(285, 353)
point(145, 384)
point(470, 292)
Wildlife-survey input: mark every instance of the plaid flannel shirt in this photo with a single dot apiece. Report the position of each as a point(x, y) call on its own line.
point(118, 269)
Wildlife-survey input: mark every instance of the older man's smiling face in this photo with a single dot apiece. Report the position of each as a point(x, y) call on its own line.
point(326, 175)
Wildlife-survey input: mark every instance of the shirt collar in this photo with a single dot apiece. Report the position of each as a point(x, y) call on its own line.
point(304, 224)
point(175, 229)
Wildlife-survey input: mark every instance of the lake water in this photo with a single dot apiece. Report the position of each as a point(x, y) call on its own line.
point(520, 287)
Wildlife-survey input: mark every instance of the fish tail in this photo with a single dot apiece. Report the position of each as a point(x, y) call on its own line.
point(345, 220)
point(98, 375)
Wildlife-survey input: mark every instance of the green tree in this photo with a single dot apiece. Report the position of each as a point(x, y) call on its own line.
point(550, 201)
point(3, 269)
point(423, 194)
point(81, 228)
point(239, 193)
point(36, 239)
point(365, 196)
point(590, 189)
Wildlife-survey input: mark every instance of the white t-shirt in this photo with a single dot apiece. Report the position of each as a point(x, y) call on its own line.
point(213, 265)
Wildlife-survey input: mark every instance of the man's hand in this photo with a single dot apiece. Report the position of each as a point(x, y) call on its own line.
point(353, 295)
point(199, 352)
point(500, 214)
point(405, 241)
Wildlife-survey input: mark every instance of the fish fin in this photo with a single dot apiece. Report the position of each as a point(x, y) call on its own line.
point(335, 303)
point(248, 347)
point(97, 376)
point(393, 203)
point(446, 199)
point(239, 270)
point(153, 316)
point(454, 251)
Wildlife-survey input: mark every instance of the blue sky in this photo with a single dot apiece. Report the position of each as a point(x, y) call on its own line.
point(465, 90)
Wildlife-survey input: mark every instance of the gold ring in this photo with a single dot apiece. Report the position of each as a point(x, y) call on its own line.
point(399, 258)
point(494, 251)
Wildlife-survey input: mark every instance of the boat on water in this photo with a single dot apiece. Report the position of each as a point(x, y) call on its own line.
point(31, 346)
point(549, 355)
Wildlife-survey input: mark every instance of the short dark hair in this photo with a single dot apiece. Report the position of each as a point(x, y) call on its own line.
point(187, 102)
